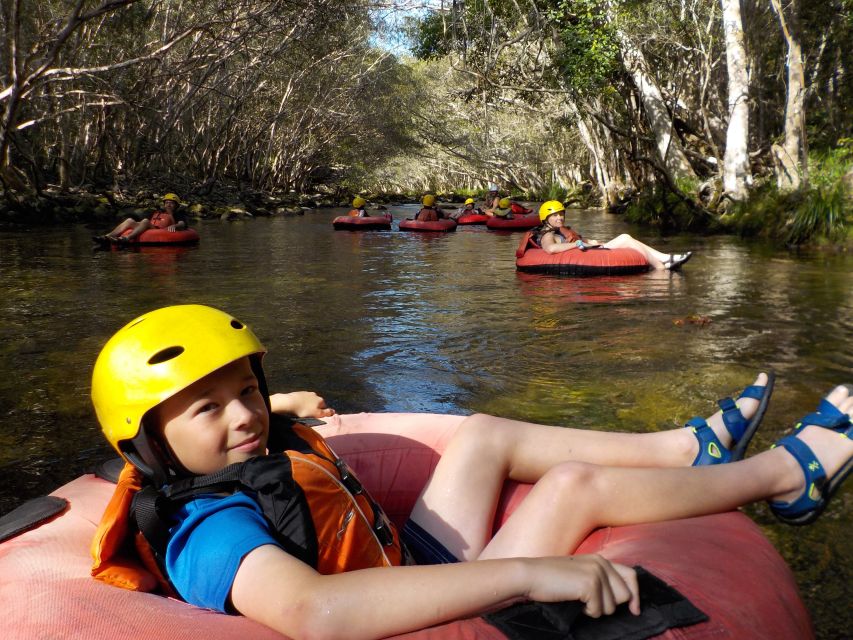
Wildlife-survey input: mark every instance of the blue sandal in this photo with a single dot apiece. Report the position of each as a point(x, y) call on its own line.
point(819, 488)
point(711, 450)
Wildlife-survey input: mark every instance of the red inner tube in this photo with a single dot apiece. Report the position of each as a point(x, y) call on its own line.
point(518, 223)
point(162, 236)
point(576, 262)
point(436, 225)
point(364, 223)
point(473, 218)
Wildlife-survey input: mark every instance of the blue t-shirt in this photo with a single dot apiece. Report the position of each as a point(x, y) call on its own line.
point(206, 547)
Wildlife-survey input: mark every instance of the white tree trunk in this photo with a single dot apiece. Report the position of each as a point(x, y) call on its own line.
point(790, 157)
point(736, 171)
point(607, 183)
point(669, 148)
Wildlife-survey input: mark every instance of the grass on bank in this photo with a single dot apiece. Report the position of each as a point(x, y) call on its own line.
point(821, 212)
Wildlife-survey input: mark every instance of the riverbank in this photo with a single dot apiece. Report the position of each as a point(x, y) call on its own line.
point(820, 217)
point(52, 207)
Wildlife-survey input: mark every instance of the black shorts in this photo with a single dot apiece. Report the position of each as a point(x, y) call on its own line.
point(424, 548)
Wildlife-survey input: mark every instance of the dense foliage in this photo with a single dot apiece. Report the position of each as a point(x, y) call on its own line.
point(646, 92)
point(268, 94)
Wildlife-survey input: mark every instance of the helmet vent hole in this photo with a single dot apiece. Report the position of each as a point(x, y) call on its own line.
point(165, 354)
point(237, 324)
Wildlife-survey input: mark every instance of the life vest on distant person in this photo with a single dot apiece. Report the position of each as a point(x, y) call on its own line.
point(316, 508)
point(357, 213)
point(428, 214)
point(161, 219)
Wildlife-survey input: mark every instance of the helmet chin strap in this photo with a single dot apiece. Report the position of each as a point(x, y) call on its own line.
point(146, 454)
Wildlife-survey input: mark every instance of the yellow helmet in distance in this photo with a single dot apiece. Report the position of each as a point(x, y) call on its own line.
point(154, 357)
point(358, 202)
point(469, 201)
point(504, 203)
point(173, 197)
point(547, 208)
point(428, 200)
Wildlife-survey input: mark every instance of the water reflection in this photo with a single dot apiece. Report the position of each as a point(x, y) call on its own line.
point(604, 289)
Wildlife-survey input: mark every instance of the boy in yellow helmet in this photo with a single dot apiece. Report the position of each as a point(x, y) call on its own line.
point(167, 218)
point(180, 393)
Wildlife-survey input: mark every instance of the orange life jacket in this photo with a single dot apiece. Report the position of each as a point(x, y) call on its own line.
point(356, 213)
point(529, 239)
point(337, 527)
point(161, 219)
point(427, 214)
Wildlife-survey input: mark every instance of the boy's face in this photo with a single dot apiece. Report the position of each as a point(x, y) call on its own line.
point(216, 421)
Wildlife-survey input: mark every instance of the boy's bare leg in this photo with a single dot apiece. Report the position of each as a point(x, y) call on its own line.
point(461, 496)
point(561, 510)
point(458, 504)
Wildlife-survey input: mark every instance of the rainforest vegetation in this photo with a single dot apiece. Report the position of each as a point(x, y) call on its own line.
point(701, 114)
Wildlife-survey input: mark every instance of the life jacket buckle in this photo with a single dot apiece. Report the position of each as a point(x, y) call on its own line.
point(348, 478)
point(382, 527)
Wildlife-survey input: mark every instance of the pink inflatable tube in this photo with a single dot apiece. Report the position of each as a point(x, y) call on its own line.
point(722, 563)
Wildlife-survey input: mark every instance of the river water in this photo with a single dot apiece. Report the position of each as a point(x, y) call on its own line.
point(395, 321)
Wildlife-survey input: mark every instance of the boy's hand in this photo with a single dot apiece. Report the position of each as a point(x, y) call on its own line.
point(600, 584)
point(302, 404)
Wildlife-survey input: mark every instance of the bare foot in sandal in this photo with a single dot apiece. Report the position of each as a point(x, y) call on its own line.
point(820, 457)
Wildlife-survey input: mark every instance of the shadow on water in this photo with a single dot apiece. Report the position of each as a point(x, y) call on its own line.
point(395, 321)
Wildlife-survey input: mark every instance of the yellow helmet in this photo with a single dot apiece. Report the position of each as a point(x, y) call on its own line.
point(428, 200)
point(173, 197)
point(504, 203)
point(154, 357)
point(547, 208)
point(358, 202)
point(469, 201)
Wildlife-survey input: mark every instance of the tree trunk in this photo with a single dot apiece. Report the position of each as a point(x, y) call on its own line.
point(598, 163)
point(736, 172)
point(790, 158)
point(674, 160)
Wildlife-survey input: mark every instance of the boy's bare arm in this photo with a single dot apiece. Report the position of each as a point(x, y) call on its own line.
point(285, 594)
point(302, 404)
